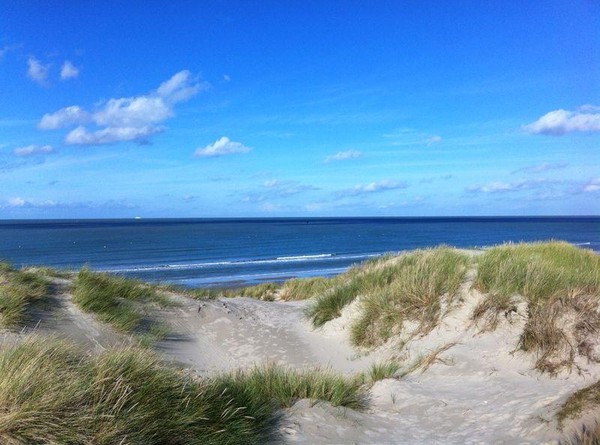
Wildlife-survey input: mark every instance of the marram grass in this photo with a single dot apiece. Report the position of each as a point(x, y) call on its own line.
point(117, 301)
point(407, 287)
point(18, 290)
point(557, 281)
point(51, 393)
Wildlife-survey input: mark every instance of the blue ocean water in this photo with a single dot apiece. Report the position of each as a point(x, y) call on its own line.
point(217, 252)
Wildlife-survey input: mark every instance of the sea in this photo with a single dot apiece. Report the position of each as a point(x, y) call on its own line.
point(239, 252)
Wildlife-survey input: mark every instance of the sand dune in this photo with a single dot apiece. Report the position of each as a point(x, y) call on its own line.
point(477, 388)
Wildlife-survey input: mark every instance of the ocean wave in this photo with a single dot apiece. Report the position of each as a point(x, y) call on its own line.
point(234, 263)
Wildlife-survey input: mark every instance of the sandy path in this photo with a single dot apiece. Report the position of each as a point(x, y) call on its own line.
point(58, 316)
point(227, 334)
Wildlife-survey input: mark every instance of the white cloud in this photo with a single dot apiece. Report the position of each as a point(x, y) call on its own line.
point(68, 71)
point(126, 118)
point(343, 155)
point(223, 146)
point(110, 135)
point(133, 112)
point(504, 187)
point(64, 117)
point(373, 187)
point(36, 71)
point(33, 150)
point(180, 87)
point(592, 186)
point(226, 78)
point(559, 122)
point(16, 202)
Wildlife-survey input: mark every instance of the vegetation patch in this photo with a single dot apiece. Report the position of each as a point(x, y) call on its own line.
point(18, 290)
point(263, 291)
point(560, 284)
point(305, 288)
point(384, 370)
point(581, 401)
point(52, 393)
point(117, 301)
point(285, 386)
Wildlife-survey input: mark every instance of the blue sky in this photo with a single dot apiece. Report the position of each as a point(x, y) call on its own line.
point(289, 108)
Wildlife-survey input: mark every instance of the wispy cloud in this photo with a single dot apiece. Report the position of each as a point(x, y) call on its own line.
point(68, 71)
point(540, 168)
point(277, 189)
point(593, 185)
point(221, 147)
point(37, 72)
point(508, 187)
point(373, 187)
point(410, 136)
point(33, 150)
point(343, 155)
point(559, 122)
point(127, 118)
point(18, 202)
point(431, 140)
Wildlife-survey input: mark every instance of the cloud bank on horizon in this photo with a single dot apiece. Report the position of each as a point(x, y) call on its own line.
point(282, 119)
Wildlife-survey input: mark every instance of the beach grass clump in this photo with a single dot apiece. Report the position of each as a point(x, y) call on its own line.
point(579, 402)
point(285, 386)
point(560, 284)
point(406, 287)
point(263, 291)
point(384, 370)
point(117, 300)
point(536, 271)
point(18, 290)
point(52, 393)
point(305, 288)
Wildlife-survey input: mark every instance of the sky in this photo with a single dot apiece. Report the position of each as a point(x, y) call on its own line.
point(112, 109)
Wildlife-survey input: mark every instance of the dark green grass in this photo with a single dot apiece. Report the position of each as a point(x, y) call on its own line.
point(117, 301)
point(51, 393)
point(18, 290)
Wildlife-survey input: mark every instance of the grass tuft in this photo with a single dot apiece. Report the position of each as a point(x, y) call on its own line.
point(18, 290)
point(557, 281)
point(263, 291)
point(582, 400)
point(50, 392)
point(116, 300)
point(408, 288)
point(384, 370)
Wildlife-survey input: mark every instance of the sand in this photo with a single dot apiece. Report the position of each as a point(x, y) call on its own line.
point(478, 390)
